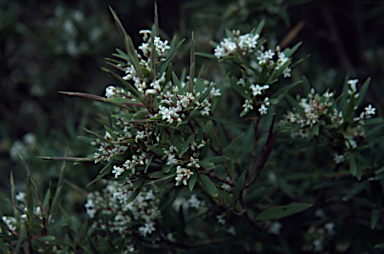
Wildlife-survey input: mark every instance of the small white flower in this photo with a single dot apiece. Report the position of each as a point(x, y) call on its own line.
point(194, 202)
point(275, 228)
point(21, 197)
point(148, 228)
point(352, 84)
point(263, 109)
point(110, 91)
point(117, 171)
point(339, 158)
point(369, 110)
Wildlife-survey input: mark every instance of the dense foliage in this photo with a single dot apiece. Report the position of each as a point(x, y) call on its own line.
point(244, 153)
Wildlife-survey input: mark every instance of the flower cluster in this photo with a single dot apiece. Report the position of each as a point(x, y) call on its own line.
point(243, 44)
point(114, 203)
point(319, 237)
point(12, 223)
point(320, 110)
point(256, 91)
point(246, 44)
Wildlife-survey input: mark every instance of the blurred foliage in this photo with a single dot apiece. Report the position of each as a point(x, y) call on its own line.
point(47, 47)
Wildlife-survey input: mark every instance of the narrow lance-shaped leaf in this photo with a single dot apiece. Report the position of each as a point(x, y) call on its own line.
point(192, 67)
point(128, 44)
point(282, 211)
point(356, 190)
point(99, 98)
point(238, 187)
point(192, 181)
point(375, 216)
point(362, 92)
point(208, 185)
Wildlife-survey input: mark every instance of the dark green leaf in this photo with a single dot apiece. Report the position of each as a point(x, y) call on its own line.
point(282, 211)
point(206, 164)
point(238, 187)
point(356, 190)
point(217, 160)
point(208, 185)
point(46, 238)
point(22, 237)
point(192, 181)
point(375, 216)
point(362, 92)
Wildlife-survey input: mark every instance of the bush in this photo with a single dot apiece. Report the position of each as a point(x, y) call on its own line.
point(252, 162)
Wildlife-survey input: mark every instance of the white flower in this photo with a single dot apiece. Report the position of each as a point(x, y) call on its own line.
point(369, 110)
point(91, 210)
point(193, 163)
point(171, 160)
point(275, 228)
point(352, 84)
point(287, 72)
point(263, 109)
point(148, 228)
point(215, 92)
point(339, 158)
point(220, 218)
point(21, 197)
point(194, 201)
point(257, 90)
point(146, 34)
point(329, 227)
point(117, 171)
point(110, 91)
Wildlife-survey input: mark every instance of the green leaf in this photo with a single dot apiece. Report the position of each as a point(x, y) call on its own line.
point(102, 173)
point(85, 139)
point(208, 185)
point(186, 144)
point(353, 167)
point(205, 93)
point(192, 181)
point(356, 190)
point(22, 236)
point(372, 121)
point(238, 88)
point(238, 187)
point(176, 143)
point(380, 245)
point(289, 52)
point(295, 104)
point(351, 108)
point(46, 238)
point(260, 27)
point(205, 55)
point(220, 120)
point(362, 92)
point(306, 86)
point(282, 211)
point(165, 168)
point(217, 160)
point(375, 216)
point(125, 101)
point(3, 247)
point(206, 164)
point(156, 150)
point(286, 88)
point(134, 194)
